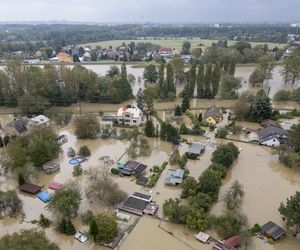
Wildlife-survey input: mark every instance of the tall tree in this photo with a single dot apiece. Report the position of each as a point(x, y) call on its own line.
point(161, 77)
point(291, 70)
point(261, 107)
point(150, 73)
point(192, 80)
point(232, 66)
point(126, 87)
point(178, 68)
point(216, 76)
point(200, 81)
point(207, 81)
point(186, 47)
point(170, 80)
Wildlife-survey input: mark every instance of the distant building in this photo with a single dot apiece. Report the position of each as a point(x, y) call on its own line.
point(130, 116)
point(213, 115)
point(272, 136)
point(174, 177)
point(64, 57)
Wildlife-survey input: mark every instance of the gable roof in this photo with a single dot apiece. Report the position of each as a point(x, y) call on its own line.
point(213, 112)
point(196, 148)
point(174, 176)
point(19, 124)
point(30, 188)
point(273, 230)
point(271, 132)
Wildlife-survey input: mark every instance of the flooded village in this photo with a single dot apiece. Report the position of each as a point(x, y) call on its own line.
point(266, 181)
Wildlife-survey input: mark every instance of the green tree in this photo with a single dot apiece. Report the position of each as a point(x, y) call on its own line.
point(177, 65)
point(185, 105)
point(233, 197)
point(232, 65)
point(192, 80)
point(200, 201)
point(294, 138)
point(150, 73)
point(77, 170)
point(161, 77)
point(177, 111)
point(125, 85)
point(291, 69)
point(69, 228)
point(94, 230)
point(31, 239)
point(282, 95)
point(170, 87)
point(32, 105)
point(66, 202)
point(260, 108)
point(196, 219)
point(71, 152)
point(228, 87)
point(10, 204)
point(189, 187)
point(86, 126)
point(290, 211)
point(84, 151)
point(44, 222)
point(150, 128)
point(209, 183)
point(186, 47)
point(207, 82)
point(200, 81)
point(107, 228)
point(215, 79)
point(222, 133)
point(223, 155)
point(113, 71)
point(174, 212)
point(219, 168)
point(140, 100)
point(169, 133)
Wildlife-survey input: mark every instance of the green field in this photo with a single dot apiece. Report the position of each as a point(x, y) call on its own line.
point(172, 42)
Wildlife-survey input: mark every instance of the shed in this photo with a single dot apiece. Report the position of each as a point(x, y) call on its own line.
point(272, 230)
point(142, 181)
point(174, 177)
point(30, 188)
point(45, 197)
point(50, 167)
point(233, 242)
point(203, 237)
point(56, 185)
point(81, 237)
point(195, 150)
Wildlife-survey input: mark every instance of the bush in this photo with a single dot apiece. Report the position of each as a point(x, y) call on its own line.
point(222, 133)
point(44, 222)
point(66, 227)
point(157, 172)
point(77, 170)
point(255, 229)
point(87, 217)
point(71, 152)
point(84, 151)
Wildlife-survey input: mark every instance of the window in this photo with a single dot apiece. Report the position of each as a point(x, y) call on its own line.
point(127, 120)
point(134, 121)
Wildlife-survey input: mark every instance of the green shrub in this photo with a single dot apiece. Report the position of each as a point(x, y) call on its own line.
point(44, 222)
point(115, 171)
point(84, 151)
point(255, 229)
point(77, 170)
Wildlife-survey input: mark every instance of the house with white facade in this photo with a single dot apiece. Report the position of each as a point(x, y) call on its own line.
point(40, 121)
point(272, 136)
point(130, 116)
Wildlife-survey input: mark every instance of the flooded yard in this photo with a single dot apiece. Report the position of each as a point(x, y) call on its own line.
point(266, 184)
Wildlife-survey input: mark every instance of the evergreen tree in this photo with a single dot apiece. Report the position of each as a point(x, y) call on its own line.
point(21, 179)
point(150, 73)
point(177, 111)
point(216, 76)
point(207, 81)
point(261, 107)
point(69, 229)
point(200, 79)
point(62, 226)
point(200, 117)
point(125, 85)
point(226, 64)
point(1, 142)
point(94, 230)
point(232, 66)
point(192, 80)
point(150, 128)
point(140, 100)
point(170, 87)
point(185, 103)
point(161, 77)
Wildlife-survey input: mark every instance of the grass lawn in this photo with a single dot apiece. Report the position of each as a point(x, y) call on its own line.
point(172, 42)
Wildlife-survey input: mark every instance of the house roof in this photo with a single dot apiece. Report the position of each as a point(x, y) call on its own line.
point(20, 124)
point(141, 196)
point(203, 237)
point(233, 241)
point(273, 230)
point(30, 188)
point(196, 148)
point(43, 196)
point(56, 185)
point(174, 176)
point(40, 119)
point(134, 111)
point(142, 181)
point(213, 112)
point(134, 166)
point(133, 205)
point(271, 132)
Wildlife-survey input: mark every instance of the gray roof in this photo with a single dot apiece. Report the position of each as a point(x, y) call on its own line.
point(273, 230)
point(271, 132)
point(20, 124)
point(196, 148)
point(212, 111)
point(174, 177)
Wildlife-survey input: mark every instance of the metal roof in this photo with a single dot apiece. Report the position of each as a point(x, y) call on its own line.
point(195, 148)
point(273, 230)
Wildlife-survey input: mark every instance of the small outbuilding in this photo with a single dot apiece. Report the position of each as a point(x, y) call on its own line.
point(56, 186)
point(132, 167)
point(142, 181)
point(272, 230)
point(30, 188)
point(45, 197)
point(203, 237)
point(81, 237)
point(50, 167)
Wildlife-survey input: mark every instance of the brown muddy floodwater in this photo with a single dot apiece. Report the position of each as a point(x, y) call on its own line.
point(266, 184)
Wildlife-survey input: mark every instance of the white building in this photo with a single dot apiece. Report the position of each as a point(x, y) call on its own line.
point(130, 116)
point(41, 121)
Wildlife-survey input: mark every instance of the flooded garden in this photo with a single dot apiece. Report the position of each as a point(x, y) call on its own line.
point(266, 183)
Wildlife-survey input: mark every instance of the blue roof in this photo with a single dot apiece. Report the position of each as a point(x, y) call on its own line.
point(43, 196)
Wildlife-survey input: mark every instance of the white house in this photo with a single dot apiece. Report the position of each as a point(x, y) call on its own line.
point(130, 116)
point(41, 121)
point(272, 136)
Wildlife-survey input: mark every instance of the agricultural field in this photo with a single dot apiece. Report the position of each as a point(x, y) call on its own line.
point(172, 42)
